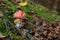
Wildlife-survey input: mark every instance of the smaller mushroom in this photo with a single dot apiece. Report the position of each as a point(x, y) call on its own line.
point(18, 23)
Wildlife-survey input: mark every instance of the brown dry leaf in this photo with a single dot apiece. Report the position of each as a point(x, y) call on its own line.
point(14, 1)
point(36, 21)
point(1, 36)
point(1, 15)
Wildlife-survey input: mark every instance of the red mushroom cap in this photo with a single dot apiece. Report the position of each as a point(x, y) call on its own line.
point(19, 14)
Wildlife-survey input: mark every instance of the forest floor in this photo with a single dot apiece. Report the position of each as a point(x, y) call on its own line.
point(39, 21)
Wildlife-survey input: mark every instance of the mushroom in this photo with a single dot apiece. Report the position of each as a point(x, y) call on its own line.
point(19, 14)
point(17, 21)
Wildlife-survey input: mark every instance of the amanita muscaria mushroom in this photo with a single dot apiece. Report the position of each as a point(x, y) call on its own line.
point(19, 14)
